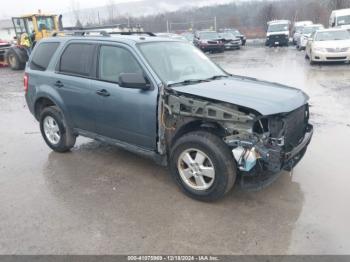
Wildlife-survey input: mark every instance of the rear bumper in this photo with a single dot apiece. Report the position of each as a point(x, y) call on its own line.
point(269, 168)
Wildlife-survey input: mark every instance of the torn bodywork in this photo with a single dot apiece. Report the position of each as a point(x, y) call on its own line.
point(262, 146)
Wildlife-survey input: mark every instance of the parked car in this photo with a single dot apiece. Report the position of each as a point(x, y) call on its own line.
point(278, 33)
point(236, 33)
point(230, 40)
point(208, 41)
point(166, 100)
point(305, 34)
point(298, 28)
point(328, 45)
point(340, 18)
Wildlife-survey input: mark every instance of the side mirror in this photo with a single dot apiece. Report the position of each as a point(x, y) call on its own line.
point(133, 80)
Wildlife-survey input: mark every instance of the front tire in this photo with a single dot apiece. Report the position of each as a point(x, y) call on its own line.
point(14, 60)
point(54, 130)
point(310, 58)
point(203, 166)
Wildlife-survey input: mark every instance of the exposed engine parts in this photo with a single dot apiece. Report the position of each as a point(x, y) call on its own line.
point(252, 138)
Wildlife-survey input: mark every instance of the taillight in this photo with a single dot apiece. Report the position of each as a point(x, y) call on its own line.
point(25, 82)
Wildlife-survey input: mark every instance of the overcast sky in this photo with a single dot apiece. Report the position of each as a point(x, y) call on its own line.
point(11, 8)
point(19, 7)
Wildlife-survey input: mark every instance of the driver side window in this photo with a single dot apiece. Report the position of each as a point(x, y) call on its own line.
point(115, 60)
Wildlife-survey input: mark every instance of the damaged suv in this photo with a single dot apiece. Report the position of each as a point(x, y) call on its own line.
point(166, 100)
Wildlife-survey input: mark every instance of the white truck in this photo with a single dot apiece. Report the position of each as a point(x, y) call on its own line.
point(278, 33)
point(340, 18)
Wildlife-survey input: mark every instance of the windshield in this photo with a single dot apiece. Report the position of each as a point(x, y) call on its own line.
point(332, 35)
point(209, 35)
point(45, 23)
point(343, 20)
point(176, 62)
point(311, 29)
point(235, 32)
point(227, 35)
point(298, 29)
point(278, 27)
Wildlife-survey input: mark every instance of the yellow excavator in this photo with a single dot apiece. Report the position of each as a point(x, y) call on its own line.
point(29, 29)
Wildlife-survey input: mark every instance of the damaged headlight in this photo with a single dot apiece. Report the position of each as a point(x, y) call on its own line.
point(246, 158)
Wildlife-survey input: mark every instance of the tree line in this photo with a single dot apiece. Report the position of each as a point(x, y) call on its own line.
point(249, 16)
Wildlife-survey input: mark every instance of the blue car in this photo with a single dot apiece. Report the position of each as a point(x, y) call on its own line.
point(166, 100)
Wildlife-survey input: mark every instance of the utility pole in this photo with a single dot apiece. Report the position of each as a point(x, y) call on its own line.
point(215, 23)
point(167, 26)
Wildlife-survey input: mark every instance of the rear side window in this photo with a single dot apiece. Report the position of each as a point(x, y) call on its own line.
point(42, 56)
point(77, 59)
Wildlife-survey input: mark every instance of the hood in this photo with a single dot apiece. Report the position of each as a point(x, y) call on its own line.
point(277, 33)
point(332, 44)
point(306, 35)
point(264, 97)
point(344, 27)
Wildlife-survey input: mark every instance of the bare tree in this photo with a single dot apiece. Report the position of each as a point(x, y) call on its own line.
point(75, 6)
point(267, 13)
point(111, 11)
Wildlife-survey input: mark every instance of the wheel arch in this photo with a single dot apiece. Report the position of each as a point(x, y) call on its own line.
point(195, 125)
point(40, 104)
point(45, 101)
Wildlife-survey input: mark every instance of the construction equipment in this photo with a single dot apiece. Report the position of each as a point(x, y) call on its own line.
point(29, 29)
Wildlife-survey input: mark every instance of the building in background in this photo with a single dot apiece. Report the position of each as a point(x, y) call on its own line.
point(7, 31)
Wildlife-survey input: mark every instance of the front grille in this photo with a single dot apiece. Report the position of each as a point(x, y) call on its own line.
point(213, 42)
point(337, 50)
point(295, 126)
point(277, 37)
point(337, 58)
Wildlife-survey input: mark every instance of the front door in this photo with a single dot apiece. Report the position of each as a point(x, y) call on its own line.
point(128, 115)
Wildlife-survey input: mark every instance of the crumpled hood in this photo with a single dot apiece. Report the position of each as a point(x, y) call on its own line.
point(265, 97)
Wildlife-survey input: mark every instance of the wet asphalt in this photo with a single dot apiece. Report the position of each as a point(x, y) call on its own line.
point(99, 199)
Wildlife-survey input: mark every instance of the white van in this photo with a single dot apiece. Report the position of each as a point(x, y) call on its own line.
point(278, 33)
point(340, 18)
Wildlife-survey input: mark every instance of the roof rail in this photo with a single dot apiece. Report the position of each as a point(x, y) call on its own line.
point(88, 32)
point(133, 33)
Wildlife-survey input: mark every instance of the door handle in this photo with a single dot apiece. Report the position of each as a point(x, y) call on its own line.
point(103, 92)
point(59, 84)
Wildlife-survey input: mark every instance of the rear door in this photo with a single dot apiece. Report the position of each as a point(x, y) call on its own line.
point(128, 115)
point(72, 81)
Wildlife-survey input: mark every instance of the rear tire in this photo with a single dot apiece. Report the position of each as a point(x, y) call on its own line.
point(57, 135)
point(217, 157)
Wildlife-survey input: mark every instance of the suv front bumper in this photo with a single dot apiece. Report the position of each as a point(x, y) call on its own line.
point(269, 167)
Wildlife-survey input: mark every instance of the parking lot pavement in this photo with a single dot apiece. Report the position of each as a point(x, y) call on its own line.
point(102, 200)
